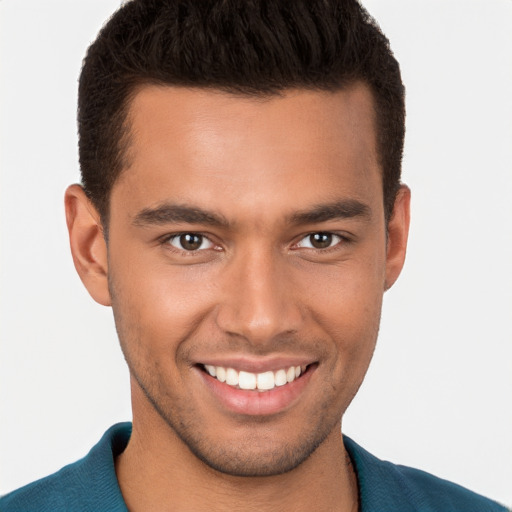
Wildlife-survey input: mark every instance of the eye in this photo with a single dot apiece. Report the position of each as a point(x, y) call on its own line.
point(320, 240)
point(190, 242)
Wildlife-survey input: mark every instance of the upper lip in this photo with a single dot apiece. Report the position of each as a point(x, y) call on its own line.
point(257, 364)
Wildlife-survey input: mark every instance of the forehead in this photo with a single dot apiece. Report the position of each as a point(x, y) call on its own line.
point(222, 149)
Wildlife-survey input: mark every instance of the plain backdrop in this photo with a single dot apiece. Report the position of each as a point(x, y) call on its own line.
point(438, 394)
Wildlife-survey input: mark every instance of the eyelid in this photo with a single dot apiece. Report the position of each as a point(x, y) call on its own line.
point(342, 239)
point(166, 240)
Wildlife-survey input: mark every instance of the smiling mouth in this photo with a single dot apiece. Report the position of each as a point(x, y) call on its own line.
point(249, 381)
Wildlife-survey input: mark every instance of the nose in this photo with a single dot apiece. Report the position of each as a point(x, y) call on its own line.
point(260, 300)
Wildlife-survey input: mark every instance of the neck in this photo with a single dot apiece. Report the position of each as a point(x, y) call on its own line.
point(158, 472)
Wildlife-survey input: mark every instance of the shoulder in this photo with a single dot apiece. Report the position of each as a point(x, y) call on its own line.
point(88, 484)
point(387, 486)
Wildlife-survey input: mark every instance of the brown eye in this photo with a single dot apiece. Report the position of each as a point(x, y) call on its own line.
point(190, 242)
point(320, 240)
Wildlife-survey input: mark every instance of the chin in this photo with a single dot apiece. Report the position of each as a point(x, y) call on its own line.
point(250, 460)
point(257, 450)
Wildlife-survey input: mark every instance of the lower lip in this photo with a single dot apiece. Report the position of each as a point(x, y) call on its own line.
point(258, 403)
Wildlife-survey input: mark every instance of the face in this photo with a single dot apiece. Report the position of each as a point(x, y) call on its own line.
point(247, 261)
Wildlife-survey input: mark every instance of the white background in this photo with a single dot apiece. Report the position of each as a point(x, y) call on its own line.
point(439, 392)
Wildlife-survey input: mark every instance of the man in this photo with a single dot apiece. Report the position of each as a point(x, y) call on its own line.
point(242, 213)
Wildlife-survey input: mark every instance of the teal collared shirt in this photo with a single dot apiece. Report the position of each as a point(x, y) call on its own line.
point(90, 484)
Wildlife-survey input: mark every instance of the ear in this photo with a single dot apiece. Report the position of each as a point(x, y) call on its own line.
point(88, 245)
point(398, 232)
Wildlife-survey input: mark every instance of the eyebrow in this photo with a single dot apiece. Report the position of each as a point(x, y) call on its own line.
point(175, 213)
point(169, 213)
point(342, 209)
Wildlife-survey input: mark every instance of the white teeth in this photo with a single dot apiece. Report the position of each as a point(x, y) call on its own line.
point(280, 378)
point(252, 381)
point(221, 373)
point(247, 380)
point(231, 377)
point(266, 380)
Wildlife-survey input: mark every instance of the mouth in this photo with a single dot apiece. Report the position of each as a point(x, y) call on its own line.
point(261, 382)
point(264, 388)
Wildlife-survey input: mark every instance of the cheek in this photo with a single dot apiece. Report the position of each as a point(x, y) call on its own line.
point(155, 304)
point(347, 305)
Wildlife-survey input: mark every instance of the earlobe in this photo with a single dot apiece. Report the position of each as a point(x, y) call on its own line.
point(88, 245)
point(398, 232)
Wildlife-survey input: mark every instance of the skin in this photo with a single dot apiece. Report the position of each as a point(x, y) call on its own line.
point(256, 292)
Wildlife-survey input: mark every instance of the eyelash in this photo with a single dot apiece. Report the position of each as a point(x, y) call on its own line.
point(342, 240)
point(166, 241)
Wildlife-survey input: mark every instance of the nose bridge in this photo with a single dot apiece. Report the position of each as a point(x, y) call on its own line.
point(259, 303)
